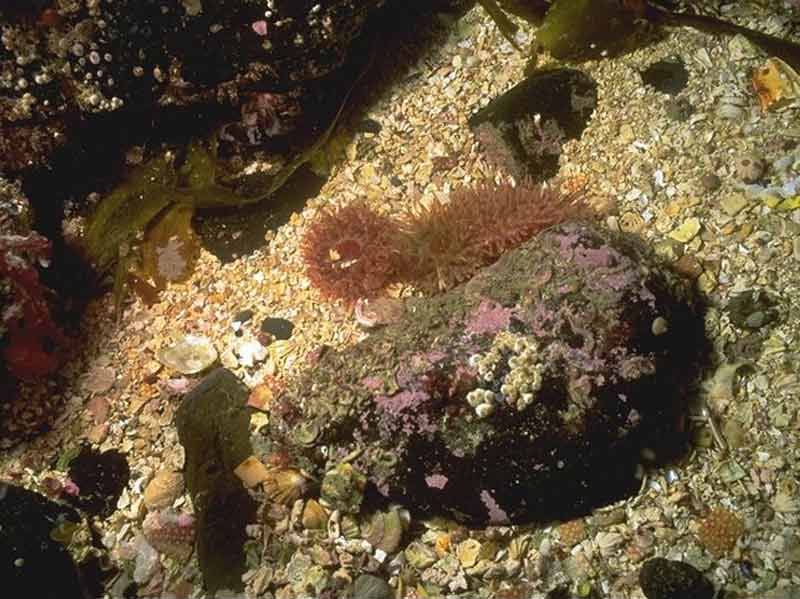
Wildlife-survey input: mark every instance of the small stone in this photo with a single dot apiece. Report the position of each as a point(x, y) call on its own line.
point(279, 328)
point(710, 182)
point(163, 489)
point(243, 316)
point(626, 134)
point(666, 579)
point(371, 587)
point(733, 204)
point(659, 326)
point(686, 231)
point(190, 354)
point(749, 168)
point(99, 379)
point(679, 110)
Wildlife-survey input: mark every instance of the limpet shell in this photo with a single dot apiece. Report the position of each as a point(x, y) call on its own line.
point(251, 472)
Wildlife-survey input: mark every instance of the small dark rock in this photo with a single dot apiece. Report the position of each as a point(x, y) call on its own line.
point(279, 328)
point(369, 126)
point(243, 316)
point(667, 579)
point(522, 131)
point(667, 76)
point(559, 593)
point(679, 109)
point(710, 182)
point(101, 477)
point(752, 309)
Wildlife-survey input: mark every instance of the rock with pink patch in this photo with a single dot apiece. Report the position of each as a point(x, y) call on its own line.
point(528, 394)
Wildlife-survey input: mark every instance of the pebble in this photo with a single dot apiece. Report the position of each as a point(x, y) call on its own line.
point(163, 490)
point(749, 168)
point(733, 204)
point(189, 355)
point(687, 230)
point(99, 379)
point(710, 182)
point(667, 579)
point(279, 328)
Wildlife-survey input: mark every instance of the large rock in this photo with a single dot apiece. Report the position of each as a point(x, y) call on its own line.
point(534, 392)
point(31, 560)
point(212, 426)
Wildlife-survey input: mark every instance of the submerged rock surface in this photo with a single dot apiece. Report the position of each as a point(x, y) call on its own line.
point(534, 392)
point(212, 426)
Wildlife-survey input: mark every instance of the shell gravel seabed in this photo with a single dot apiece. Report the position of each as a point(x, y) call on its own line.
point(653, 173)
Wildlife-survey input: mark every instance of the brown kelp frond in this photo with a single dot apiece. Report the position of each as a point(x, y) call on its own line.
point(349, 252)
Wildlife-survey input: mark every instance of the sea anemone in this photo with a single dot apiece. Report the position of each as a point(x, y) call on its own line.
point(350, 253)
point(445, 243)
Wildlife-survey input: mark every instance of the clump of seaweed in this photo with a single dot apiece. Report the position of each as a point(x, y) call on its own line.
point(31, 337)
point(353, 253)
point(350, 253)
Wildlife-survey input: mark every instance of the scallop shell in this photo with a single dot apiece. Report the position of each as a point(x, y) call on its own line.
point(349, 527)
point(285, 486)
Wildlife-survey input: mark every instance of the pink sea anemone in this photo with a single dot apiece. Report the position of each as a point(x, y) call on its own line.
point(350, 253)
point(445, 243)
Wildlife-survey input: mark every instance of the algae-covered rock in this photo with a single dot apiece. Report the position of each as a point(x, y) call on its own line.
point(522, 131)
point(533, 392)
point(212, 424)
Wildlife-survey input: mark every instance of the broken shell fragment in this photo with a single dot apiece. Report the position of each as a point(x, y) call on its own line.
point(468, 552)
point(315, 517)
point(384, 531)
point(251, 472)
